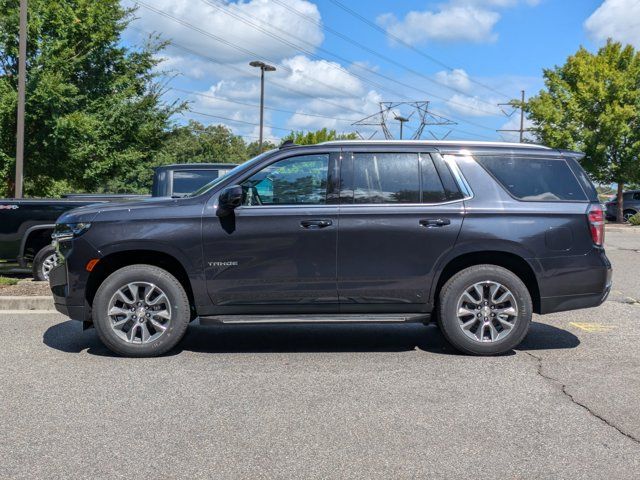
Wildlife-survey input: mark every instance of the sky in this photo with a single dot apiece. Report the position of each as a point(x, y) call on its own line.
point(336, 60)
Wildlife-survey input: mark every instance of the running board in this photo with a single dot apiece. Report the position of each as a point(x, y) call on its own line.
point(327, 318)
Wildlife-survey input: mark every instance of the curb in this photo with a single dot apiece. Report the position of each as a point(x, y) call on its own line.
point(622, 229)
point(40, 303)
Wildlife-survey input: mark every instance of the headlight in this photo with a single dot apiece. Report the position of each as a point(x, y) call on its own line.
point(64, 231)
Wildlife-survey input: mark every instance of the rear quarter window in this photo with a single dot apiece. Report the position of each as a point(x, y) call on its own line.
point(534, 179)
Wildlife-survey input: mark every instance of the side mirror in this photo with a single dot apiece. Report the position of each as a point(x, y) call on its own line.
point(230, 199)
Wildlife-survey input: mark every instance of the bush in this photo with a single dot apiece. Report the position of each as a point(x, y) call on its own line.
point(635, 220)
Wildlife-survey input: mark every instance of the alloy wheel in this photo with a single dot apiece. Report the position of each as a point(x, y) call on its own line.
point(47, 265)
point(139, 312)
point(487, 311)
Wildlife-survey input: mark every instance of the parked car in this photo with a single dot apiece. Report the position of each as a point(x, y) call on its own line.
point(27, 225)
point(477, 236)
point(630, 203)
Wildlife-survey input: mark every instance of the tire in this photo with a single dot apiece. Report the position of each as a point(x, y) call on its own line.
point(627, 214)
point(43, 262)
point(164, 317)
point(515, 310)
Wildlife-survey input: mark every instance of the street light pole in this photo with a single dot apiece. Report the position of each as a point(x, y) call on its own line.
point(263, 68)
point(22, 72)
point(402, 120)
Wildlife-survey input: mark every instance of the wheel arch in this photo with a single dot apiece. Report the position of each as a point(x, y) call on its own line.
point(122, 258)
point(35, 237)
point(505, 259)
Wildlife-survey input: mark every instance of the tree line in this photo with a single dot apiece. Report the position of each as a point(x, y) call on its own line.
point(97, 121)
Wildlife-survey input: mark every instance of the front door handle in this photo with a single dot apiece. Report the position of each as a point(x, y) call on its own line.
point(434, 222)
point(316, 224)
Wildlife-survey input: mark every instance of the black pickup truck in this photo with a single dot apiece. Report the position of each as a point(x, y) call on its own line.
point(26, 225)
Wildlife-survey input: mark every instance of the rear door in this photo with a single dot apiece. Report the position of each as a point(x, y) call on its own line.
point(400, 211)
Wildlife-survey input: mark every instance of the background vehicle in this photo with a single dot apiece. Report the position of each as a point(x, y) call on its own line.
point(477, 235)
point(27, 225)
point(630, 203)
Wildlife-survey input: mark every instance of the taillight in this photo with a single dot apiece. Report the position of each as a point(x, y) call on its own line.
point(596, 224)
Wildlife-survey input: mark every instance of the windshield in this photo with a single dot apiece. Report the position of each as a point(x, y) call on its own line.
point(240, 168)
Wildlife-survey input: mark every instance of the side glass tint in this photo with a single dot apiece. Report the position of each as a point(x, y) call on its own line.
point(432, 189)
point(188, 181)
point(386, 178)
point(534, 179)
point(300, 180)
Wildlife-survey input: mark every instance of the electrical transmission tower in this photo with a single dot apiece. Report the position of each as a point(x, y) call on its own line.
point(390, 111)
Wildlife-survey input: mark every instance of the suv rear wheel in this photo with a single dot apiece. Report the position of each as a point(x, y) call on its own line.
point(141, 311)
point(484, 310)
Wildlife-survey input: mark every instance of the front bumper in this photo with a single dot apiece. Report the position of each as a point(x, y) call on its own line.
point(63, 302)
point(68, 280)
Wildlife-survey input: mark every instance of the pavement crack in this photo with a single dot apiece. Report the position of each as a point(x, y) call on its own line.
point(563, 388)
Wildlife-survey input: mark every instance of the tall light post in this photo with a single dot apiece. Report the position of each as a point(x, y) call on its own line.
point(264, 67)
point(22, 73)
point(402, 121)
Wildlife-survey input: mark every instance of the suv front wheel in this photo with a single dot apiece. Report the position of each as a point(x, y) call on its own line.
point(141, 311)
point(484, 310)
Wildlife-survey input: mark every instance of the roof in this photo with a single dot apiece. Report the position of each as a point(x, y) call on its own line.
point(192, 166)
point(438, 143)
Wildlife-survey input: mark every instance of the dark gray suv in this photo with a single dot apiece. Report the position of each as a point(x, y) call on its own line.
point(630, 203)
point(477, 236)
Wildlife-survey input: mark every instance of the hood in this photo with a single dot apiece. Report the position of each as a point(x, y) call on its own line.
point(121, 210)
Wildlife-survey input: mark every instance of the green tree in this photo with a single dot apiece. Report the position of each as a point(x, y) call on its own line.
point(195, 143)
point(592, 104)
point(94, 114)
point(319, 136)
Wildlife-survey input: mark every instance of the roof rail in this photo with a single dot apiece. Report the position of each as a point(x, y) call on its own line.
point(288, 144)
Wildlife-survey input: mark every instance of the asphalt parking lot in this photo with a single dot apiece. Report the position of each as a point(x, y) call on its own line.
point(333, 401)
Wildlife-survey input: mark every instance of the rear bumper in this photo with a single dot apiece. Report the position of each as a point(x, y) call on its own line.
point(596, 279)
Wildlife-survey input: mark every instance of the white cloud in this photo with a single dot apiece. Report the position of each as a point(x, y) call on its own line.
point(320, 78)
point(450, 23)
point(617, 19)
point(473, 106)
point(223, 22)
point(456, 78)
point(457, 20)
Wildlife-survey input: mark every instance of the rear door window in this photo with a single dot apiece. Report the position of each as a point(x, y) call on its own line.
point(386, 178)
point(534, 179)
point(395, 178)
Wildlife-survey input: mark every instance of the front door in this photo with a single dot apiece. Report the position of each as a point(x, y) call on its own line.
point(399, 212)
point(277, 252)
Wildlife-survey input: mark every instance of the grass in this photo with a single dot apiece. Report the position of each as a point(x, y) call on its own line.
point(8, 281)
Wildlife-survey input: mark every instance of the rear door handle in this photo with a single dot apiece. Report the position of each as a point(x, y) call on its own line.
point(434, 222)
point(316, 224)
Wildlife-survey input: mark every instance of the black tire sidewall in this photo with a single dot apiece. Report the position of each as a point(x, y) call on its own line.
point(447, 313)
point(37, 262)
point(180, 310)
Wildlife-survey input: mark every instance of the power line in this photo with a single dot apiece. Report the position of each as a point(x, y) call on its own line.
point(225, 8)
point(243, 72)
point(520, 130)
point(408, 45)
point(367, 49)
point(247, 52)
point(250, 53)
point(227, 119)
point(200, 94)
